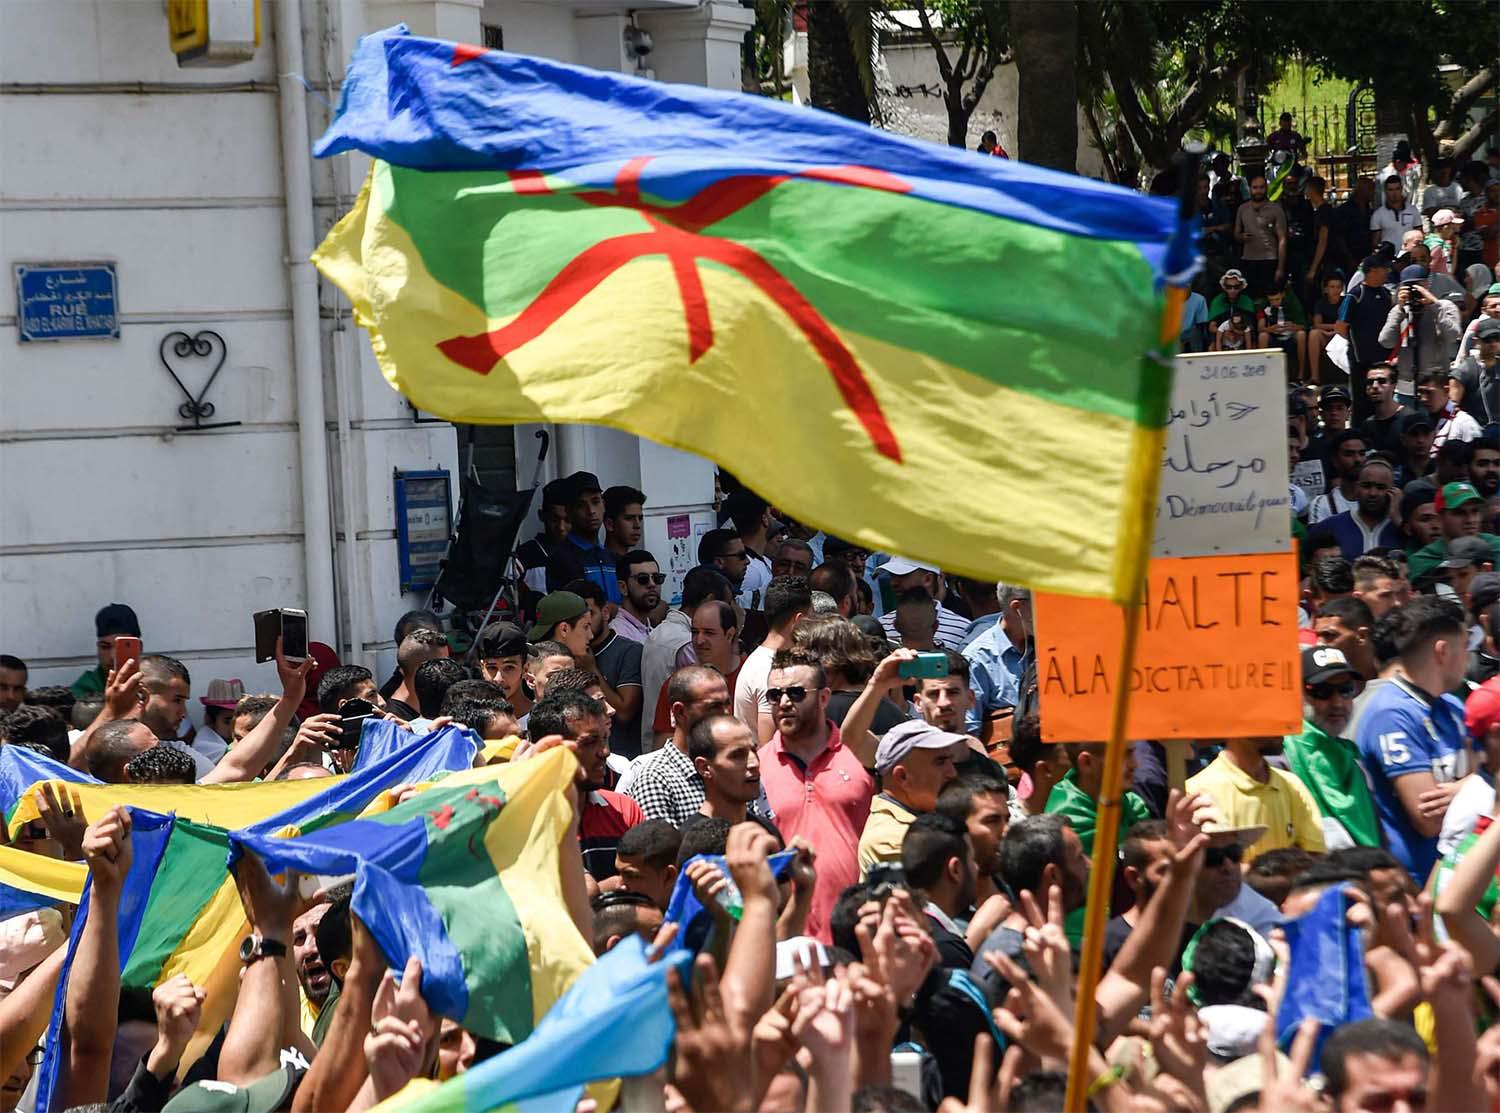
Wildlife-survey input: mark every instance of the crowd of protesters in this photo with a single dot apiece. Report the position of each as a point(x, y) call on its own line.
point(881, 720)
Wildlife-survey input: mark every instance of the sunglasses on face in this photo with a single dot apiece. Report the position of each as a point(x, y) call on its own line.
point(796, 694)
point(646, 579)
point(1216, 856)
point(1349, 689)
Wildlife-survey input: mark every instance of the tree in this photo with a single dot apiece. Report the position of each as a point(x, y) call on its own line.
point(1398, 48)
point(840, 56)
point(979, 28)
point(1045, 37)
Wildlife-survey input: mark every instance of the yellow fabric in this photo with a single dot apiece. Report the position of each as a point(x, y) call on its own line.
point(1283, 805)
point(230, 806)
point(36, 873)
point(523, 843)
point(862, 494)
point(883, 833)
point(498, 750)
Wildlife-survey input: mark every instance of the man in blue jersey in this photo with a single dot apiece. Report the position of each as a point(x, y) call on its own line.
point(1412, 736)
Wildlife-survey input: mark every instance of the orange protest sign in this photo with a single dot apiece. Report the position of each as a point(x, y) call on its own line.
point(1218, 655)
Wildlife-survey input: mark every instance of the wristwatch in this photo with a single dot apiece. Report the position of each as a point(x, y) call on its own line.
point(256, 947)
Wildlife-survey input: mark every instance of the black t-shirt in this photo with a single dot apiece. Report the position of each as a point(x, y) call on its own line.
point(1116, 931)
point(1382, 430)
point(1335, 254)
point(1369, 306)
point(1299, 228)
point(887, 715)
point(402, 710)
point(953, 950)
point(1327, 310)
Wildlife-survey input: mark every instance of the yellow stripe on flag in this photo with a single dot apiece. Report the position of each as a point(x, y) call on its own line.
point(36, 873)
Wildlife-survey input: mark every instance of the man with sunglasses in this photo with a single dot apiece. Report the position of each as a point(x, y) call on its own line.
point(640, 579)
point(1323, 758)
point(1250, 792)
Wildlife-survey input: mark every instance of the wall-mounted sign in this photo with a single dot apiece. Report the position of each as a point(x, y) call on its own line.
point(67, 301)
point(424, 522)
point(213, 32)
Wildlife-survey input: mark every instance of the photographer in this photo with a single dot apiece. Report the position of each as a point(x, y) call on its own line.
point(1422, 330)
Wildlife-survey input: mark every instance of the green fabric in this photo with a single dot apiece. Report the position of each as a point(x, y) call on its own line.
point(1330, 769)
point(1491, 896)
point(325, 1014)
point(1425, 560)
point(90, 683)
point(1067, 799)
point(1220, 305)
point(499, 248)
point(191, 872)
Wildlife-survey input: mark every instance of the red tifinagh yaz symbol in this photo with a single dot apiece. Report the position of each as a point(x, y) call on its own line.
point(675, 232)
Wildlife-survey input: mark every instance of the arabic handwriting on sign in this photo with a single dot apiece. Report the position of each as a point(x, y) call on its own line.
point(1226, 473)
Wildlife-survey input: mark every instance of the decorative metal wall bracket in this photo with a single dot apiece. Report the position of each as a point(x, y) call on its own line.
point(178, 347)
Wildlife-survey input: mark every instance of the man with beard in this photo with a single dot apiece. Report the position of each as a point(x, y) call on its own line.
point(1344, 453)
point(640, 579)
point(982, 805)
point(1380, 584)
point(312, 972)
point(1484, 467)
point(723, 751)
point(1260, 229)
point(937, 860)
point(1323, 759)
point(1368, 525)
point(1461, 513)
point(1250, 792)
point(1382, 420)
point(1346, 624)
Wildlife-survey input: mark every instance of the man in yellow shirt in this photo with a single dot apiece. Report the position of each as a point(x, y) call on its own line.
point(1251, 792)
point(915, 760)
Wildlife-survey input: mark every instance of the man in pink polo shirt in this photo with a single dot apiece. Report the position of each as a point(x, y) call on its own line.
point(815, 785)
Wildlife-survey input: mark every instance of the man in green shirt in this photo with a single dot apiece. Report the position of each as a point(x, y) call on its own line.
point(111, 622)
point(1461, 512)
point(1077, 794)
point(1326, 762)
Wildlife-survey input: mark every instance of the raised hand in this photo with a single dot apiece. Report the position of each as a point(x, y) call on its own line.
point(61, 812)
point(1179, 1040)
point(107, 850)
point(122, 690)
point(713, 1058)
point(747, 855)
point(179, 1004)
point(269, 906)
point(1030, 1016)
point(1045, 945)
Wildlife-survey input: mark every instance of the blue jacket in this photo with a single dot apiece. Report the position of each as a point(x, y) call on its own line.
point(1352, 540)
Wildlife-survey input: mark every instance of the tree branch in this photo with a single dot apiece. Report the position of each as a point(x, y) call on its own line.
point(945, 67)
point(1466, 143)
point(1465, 99)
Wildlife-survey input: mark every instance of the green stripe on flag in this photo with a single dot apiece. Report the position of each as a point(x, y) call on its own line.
point(191, 871)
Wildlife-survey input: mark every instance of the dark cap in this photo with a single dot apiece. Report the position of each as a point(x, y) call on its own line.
point(582, 483)
point(1417, 419)
point(116, 618)
point(264, 1095)
point(1416, 494)
point(500, 639)
point(1487, 329)
point(1324, 662)
point(1335, 394)
point(1372, 261)
point(560, 606)
point(1295, 406)
point(1484, 591)
point(1414, 273)
point(1464, 552)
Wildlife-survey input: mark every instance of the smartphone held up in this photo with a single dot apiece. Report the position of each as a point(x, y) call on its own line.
point(286, 623)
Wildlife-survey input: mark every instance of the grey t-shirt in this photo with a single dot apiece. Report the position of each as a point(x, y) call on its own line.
point(620, 662)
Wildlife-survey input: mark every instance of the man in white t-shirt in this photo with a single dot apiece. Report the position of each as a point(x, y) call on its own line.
point(788, 601)
point(1390, 222)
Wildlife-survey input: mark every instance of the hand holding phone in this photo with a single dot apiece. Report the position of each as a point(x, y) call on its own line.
point(126, 649)
point(929, 666)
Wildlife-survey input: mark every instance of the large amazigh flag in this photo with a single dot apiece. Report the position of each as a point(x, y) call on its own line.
point(933, 352)
point(465, 876)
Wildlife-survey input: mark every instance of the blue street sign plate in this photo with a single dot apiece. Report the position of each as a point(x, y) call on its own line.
point(67, 301)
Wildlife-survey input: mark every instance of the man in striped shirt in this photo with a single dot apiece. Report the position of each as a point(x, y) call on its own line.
point(908, 575)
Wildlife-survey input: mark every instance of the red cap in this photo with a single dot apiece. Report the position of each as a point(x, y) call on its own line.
point(1482, 708)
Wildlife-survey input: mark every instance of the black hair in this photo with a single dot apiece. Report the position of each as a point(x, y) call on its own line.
point(845, 915)
point(1321, 874)
point(587, 589)
point(161, 765)
point(560, 712)
point(1319, 538)
point(1351, 612)
point(1363, 859)
point(727, 618)
point(474, 706)
point(928, 845)
point(420, 645)
point(745, 508)
point(616, 499)
point(547, 648)
point(158, 668)
point(635, 556)
point(785, 597)
point(795, 658)
point(655, 842)
point(1344, 436)
point(110, 746)
point(1490, 444)
point(1133, 849)
point(1223, 964)
point(885, 1099)
point(703, 583)
point(1028, 847)
point(713, 544)
point(1369, 567)
point(432, 681)
point(682, 682)
point(338, 684)
point(1430, 617)
point(701, 738)
point(1040, 1091)
point(1284, 861)
point(15, 664)
point(571, 679)
point(1383, 1039)
point(335, 932)
point(1456, 452)
point(1437, 378)
point(958, 796)
point(415, 620)
point(916, 596)
point(703, 834)
point(1026, 745)
point(1331, 575)
point(41, 728)
point(1387, 634)
point(834, 577)
point(59, 698)
point(616, 914)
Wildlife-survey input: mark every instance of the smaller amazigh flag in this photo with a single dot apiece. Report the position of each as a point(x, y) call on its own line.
point(935, 353)
point(465, 876)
